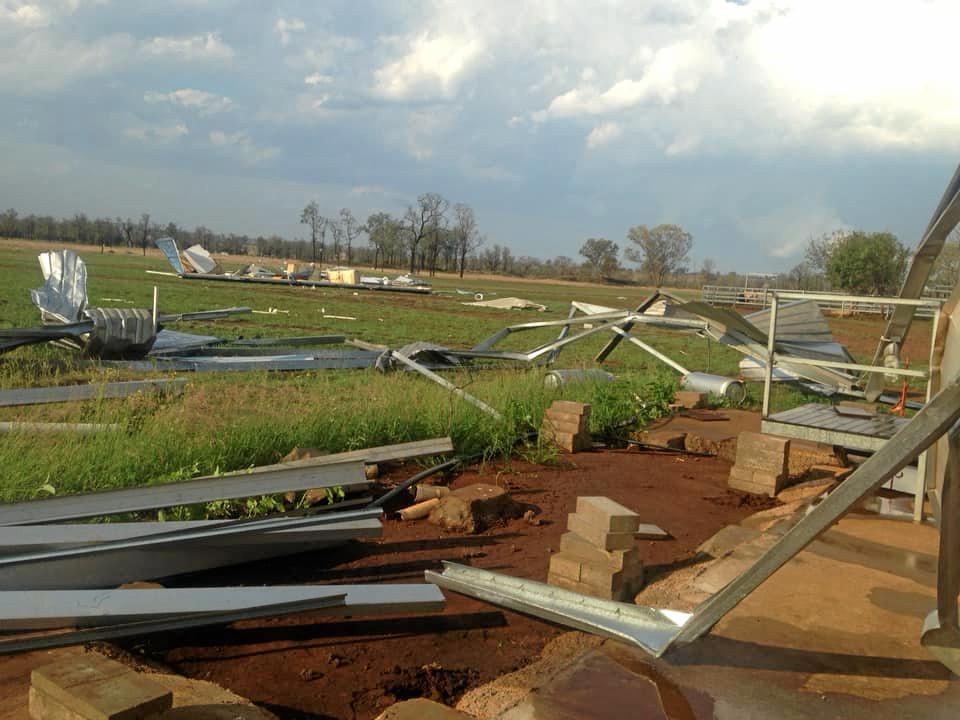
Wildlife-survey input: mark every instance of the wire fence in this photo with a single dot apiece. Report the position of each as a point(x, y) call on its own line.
point(761, 298)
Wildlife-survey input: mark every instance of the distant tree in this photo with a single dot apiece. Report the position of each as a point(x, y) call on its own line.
point(660, 250)
point(601, 255)
point(383, 233)
point(144, 231)
point(467, 238)
point(867, 263)
point(420, 220)
point(818, 250)
point(312, 218)
point(708, 268)
point(351, 230)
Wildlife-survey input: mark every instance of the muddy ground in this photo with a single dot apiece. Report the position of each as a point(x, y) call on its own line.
point(313, 666)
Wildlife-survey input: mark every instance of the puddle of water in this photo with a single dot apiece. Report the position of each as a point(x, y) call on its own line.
point(601, 688)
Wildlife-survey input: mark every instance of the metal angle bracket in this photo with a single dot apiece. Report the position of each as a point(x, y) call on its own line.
point(651, 629)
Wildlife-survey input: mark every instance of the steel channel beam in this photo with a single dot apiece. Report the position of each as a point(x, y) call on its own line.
point(54, 427)
point(614, 341)
point(47, 609)
point(259, 481)
point(925, 428)
point(162, 562)
point(67, 393)
point(623, 334)
point(114, 632)
point(184, 535)
point(648, 628)
point(446, 383)
point(21, 539)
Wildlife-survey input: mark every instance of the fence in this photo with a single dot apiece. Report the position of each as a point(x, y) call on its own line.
point(761, 297)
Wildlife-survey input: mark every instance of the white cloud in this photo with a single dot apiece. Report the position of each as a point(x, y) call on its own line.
point(673, 71)
point(317, 79)
point(602, 134)
point(23, 14)
point(432, 68)
point(157, 133)
point(722, 75)
point(41, 62)
point(203, 102)
point(285, 29)
point(191, 47)
point(240, 143)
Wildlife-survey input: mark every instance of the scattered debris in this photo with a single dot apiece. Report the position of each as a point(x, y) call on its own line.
point(103, 391)
point(508, 303)
point(559, 378)
point(201, 266)
point(420, 510)
point(474, 508)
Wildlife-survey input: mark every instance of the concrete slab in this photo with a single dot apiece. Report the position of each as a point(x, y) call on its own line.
point(834, 633)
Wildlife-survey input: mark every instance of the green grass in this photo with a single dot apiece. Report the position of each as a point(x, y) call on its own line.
point(233, 421)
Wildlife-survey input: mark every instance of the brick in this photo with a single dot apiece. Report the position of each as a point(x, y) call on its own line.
point(568, 406)
point(753, 441)
point(577, 547)
point(566, 565)
point(690, 399)
point(564, 441)
point(675, 439)
point(608, 514)
point(755, 481)
point(606, 580)
point(96, 688)
point(564, 418)
point(550, 425)
point(599, 536)
point(623, 594)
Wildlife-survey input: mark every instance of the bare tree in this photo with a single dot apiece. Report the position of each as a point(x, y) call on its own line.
point(467, 238)
point(311, 217)
point(144, 231)
point(336, 232)
point(421, 220)
point(661, 250)
point(351, 230)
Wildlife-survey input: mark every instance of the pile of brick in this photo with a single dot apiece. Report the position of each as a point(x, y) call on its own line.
point(92, 687)
point(565, 425)
point(762, 464)
point(598, 557)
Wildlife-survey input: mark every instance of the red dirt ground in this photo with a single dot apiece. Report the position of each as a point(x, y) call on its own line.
point(313, 666)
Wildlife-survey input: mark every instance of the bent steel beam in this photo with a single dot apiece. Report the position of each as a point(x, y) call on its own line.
point(648, 628)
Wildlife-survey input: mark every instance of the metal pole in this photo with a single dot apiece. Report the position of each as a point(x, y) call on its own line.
point(926, 468)
point(155, 314)
point(447, 384)
point(771, 344)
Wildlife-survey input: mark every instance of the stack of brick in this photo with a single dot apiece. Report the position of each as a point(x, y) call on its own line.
point(598, 557)
point(565, 425)
point(92, 687)
point(762, 464)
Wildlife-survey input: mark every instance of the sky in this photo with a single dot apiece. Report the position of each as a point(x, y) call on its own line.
point(754, 125)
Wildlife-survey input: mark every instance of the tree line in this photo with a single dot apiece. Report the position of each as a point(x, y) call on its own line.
point(433, 234)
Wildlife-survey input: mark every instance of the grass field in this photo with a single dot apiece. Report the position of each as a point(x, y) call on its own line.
point(236, 420)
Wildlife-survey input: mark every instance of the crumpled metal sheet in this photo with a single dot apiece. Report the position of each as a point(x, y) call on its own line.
point(63, 296)
point(168, 246)
point(120, 331)
point(200, 259)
